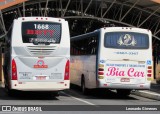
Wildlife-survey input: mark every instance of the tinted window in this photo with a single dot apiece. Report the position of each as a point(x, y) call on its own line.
point(85, 46)
point(126, 40)
point(41, 32)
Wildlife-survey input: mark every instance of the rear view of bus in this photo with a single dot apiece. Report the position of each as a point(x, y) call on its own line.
point(125, 60)
point(39, 55)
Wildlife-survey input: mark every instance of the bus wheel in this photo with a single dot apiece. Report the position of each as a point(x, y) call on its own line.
point(53, 94)
point(83, 87)
point(123, 92)
point(11, 93)
point(56, 94)
point(7, 90)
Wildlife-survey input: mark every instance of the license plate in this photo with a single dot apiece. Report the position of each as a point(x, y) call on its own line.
point(125, 80)
point(40, 77)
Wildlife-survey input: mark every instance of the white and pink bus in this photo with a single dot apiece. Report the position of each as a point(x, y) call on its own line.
point(113, 57)
point(37, 55)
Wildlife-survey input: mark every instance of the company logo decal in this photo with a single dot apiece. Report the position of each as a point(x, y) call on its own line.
point(127, 40)
point(40, 64)
point(125, 70)
point(131, 72)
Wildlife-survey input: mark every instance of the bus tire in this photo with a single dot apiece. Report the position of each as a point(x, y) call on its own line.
point(53, 94)
point(11, 93)
point(83, 87)
point(56, 94)
point(7, 90)
point(123, 92)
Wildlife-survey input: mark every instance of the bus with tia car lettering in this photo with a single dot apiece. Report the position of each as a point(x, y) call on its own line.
point(118, 58)
point(37, 55)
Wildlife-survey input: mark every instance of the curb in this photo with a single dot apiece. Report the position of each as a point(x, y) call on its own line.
point(147, 94)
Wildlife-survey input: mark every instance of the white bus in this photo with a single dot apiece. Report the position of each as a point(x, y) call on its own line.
point(37, 56)
point(117, 58)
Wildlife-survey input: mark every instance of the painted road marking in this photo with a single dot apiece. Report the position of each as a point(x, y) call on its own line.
point(150, 93)
point(77, 98)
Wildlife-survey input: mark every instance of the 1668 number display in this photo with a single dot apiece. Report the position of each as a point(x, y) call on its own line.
point(41, 26)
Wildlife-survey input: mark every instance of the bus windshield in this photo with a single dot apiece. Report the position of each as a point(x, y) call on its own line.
point(41, 32)
point(126, 40)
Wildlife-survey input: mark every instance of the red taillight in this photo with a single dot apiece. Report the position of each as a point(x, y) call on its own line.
point(149, 75)
point(149, 71)
point(100, 69)
point(100, 73)
point(14, 70)
point(66, 74)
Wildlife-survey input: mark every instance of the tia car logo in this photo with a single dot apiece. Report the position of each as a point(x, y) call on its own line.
point(40, 64)
point(127, 40)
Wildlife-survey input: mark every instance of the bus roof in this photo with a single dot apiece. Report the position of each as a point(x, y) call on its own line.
point(96, 32)
point(40, 19)
point(83, 36)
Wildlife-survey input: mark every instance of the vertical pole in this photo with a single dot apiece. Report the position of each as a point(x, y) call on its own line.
point(0, 62)
point(19, 12)
point(40, 9)
point(82, 7)
point(61, 8)
point(45, 11)
point(24, 9)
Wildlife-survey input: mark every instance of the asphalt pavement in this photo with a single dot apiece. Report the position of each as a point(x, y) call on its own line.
point(153, 93)
point(73, 100)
